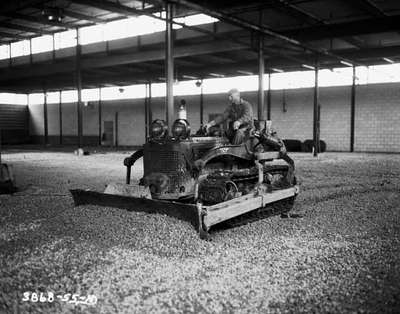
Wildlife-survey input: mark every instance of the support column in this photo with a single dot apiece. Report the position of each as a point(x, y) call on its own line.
point(315, 114)
point(53, 53)
point(9, 56)
point(79, 88)
point(0, 151)
point(116, 129)
point(30, 52)
point(45, 119)
point(146, 114)
point(261, 70)
point(201, 104)
point(100, 116)
point(260, 107)
point(149, 105)
point(169, 65)
point(352, 110)
point(269, 98)
point(60, 118)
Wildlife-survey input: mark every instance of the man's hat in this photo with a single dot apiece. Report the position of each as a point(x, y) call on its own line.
point(233, 91)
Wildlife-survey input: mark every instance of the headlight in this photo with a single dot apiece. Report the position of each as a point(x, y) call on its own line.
point(180, 129)
point(158, 129)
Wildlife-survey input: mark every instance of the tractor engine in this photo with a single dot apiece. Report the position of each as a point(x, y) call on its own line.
point(168, 160)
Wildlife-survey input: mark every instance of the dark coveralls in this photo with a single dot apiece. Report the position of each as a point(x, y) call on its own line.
point(242, 112)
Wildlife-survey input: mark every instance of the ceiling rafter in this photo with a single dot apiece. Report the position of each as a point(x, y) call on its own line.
point(111, 6)
point(368, 6)
point(260, 29)
point(116, 7)
point(27, 29)
point(42, 21)
point(335, 30)
point(12, 35)
point(81, 16)
point(113, 60)
point(12, 6)
point(277, 61)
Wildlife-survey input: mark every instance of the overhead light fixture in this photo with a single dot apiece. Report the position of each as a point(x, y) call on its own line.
point(245, 72)
point(277, 70)
point(216, 75)
point(388, 60)
point(346, 63)
point(308, 66)
point(53, 14)
point(189, 77)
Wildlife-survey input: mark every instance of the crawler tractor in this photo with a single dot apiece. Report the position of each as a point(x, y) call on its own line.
point(204, 179)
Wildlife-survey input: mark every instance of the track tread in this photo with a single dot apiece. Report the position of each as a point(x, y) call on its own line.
point(277, 208)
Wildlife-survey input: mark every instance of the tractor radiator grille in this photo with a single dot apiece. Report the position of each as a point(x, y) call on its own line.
point(168, 162)
point(171, 163)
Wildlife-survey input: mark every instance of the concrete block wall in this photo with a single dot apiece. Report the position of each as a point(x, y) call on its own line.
point(377, 120)
point(14, 126)
point(376, 126)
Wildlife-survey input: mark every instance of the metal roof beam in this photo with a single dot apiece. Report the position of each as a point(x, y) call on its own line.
point(81, 16)
point(12, 6)
point(24, 28)
point(360, 27)
point(34, 19)
point(10, 35)
point(112, 60)
point(257, 28)
point(305, 16)
point(369, 7)
point(117, 8)
point(295, 11)
point(57, 82)
point(128, 11)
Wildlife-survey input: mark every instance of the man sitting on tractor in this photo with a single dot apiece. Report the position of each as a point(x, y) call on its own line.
point(240, 114)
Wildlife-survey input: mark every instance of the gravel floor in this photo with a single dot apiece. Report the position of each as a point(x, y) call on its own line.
point(342, 256)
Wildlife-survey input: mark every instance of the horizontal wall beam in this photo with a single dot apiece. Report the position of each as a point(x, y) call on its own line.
point(335, 30)
point(27, 29)
point(113, 60)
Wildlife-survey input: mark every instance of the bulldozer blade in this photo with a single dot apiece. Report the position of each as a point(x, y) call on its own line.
point(201, 217)
point(182, 211)
point(133, 190)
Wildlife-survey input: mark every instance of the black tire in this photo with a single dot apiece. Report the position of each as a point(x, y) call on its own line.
point(308, 145)
point(292, 145)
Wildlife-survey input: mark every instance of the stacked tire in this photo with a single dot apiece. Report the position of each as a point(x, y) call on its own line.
point(305, 147)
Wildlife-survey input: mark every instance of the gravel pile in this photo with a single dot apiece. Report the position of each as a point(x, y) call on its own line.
point(342, 256)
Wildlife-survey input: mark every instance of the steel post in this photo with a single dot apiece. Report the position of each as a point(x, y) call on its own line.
point(100, 115)
point(269, 98)
point(260, 107)
point(169, 65)
point(45, 119)
point(352, 110)
point(146, 114)
point(60, 118)
point(149, 105)
point(315, 114)
point(201, 104)
point(79, 88)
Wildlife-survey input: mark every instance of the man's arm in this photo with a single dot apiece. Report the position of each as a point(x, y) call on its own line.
point(222, 117)
point(247, 116)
